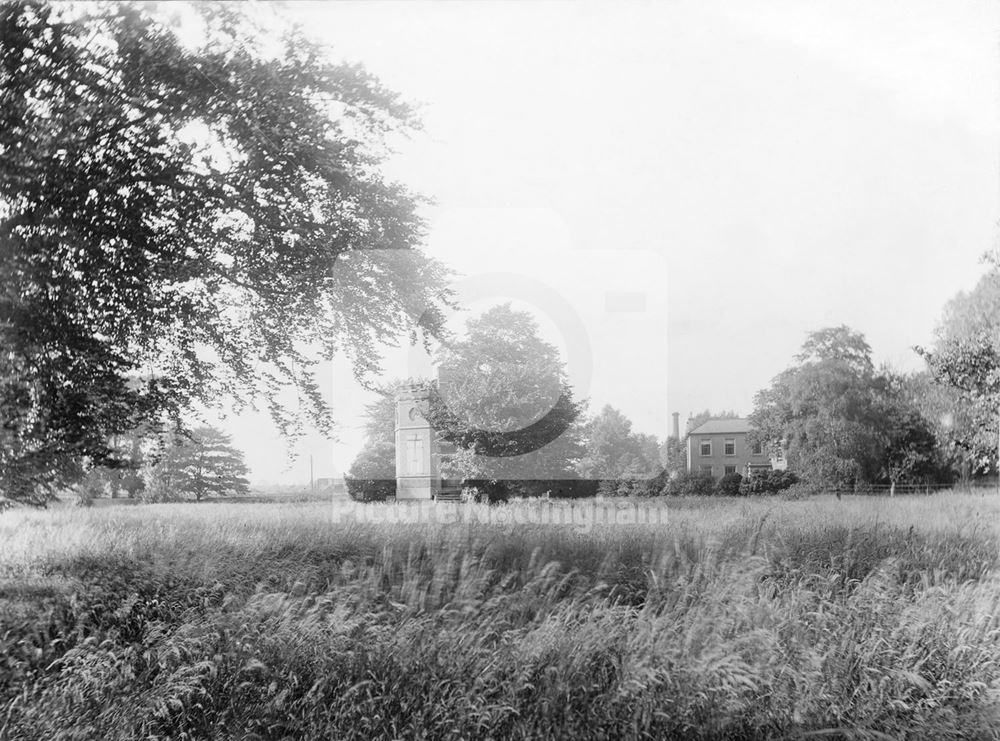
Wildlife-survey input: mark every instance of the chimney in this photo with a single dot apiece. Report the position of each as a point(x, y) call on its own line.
point(677, 425)
point(690, 422)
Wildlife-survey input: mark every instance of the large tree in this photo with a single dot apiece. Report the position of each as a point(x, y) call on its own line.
point(965, 362)
point(625, 462)
point(843, 424)
point(184, 218)
point(199, 464)
point(911, 441)
point(504, 401)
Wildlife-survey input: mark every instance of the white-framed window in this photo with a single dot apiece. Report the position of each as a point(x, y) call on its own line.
point(757, 448)
point(729, 469)
point(729, 446)
point(706, 448)
point(706, 470)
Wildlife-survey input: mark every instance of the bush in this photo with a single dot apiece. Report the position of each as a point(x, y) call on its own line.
point(729, 485)
point(573, 488)
point(767, 482)
point(691, 484)
point(630, 487)
point(370, 490)
point(489, 491)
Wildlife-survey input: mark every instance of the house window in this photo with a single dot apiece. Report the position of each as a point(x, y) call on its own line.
point(706, 447)
point(730, 446)
point(758, 448)
point(729, 469)
point(706, 470)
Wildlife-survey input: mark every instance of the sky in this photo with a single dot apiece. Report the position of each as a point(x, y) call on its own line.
point(680, 192)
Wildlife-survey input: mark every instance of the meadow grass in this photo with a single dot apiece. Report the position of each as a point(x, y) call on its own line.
point(741, 619)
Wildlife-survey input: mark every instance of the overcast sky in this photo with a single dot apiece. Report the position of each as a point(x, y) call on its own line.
point(681, 191)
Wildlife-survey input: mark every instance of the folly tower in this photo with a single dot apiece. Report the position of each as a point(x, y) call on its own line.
point(417, 455)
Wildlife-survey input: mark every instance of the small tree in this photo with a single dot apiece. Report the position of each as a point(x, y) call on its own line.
point(911, 449)
point(371, 477)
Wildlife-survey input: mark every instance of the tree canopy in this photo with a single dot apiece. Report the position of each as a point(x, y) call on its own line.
point(626, 462)
point(182, 220)
point(842, 424)
point(203, 463)
point(965, 362)
point(503, 399)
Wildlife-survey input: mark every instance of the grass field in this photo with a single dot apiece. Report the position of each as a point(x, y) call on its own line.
point(858, 618)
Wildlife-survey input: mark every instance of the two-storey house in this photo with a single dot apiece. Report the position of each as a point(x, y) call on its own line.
point(720, 446)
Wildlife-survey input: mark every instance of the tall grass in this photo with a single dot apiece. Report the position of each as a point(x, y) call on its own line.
point(861, 618)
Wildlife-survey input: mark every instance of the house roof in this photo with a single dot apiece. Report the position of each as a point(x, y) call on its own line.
point(722, 427)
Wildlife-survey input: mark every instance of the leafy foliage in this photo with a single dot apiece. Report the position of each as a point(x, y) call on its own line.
point(841, 423)
point(372, 475)
point(626, 463)
point(767, 482)
point(729, 485)
point(673, 455)
point(504, 401)
point(965, 362)
point(204, 219)
point(690, 484)
point(201, 464)
point(912, 452)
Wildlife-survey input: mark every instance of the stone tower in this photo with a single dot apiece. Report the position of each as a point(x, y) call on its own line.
point(417, 460)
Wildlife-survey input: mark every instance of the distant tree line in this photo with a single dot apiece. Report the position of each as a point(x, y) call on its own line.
point(162, 467)
point(842, 423)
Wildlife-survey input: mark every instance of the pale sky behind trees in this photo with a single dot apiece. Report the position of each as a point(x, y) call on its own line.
point(681, 191)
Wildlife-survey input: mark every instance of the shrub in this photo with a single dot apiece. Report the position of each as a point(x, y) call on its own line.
point(573, 488)
point(767, 482)
point(729, 485)
point(370, 490)
point(489, 491)
point(691, 484)
point(631, 487)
